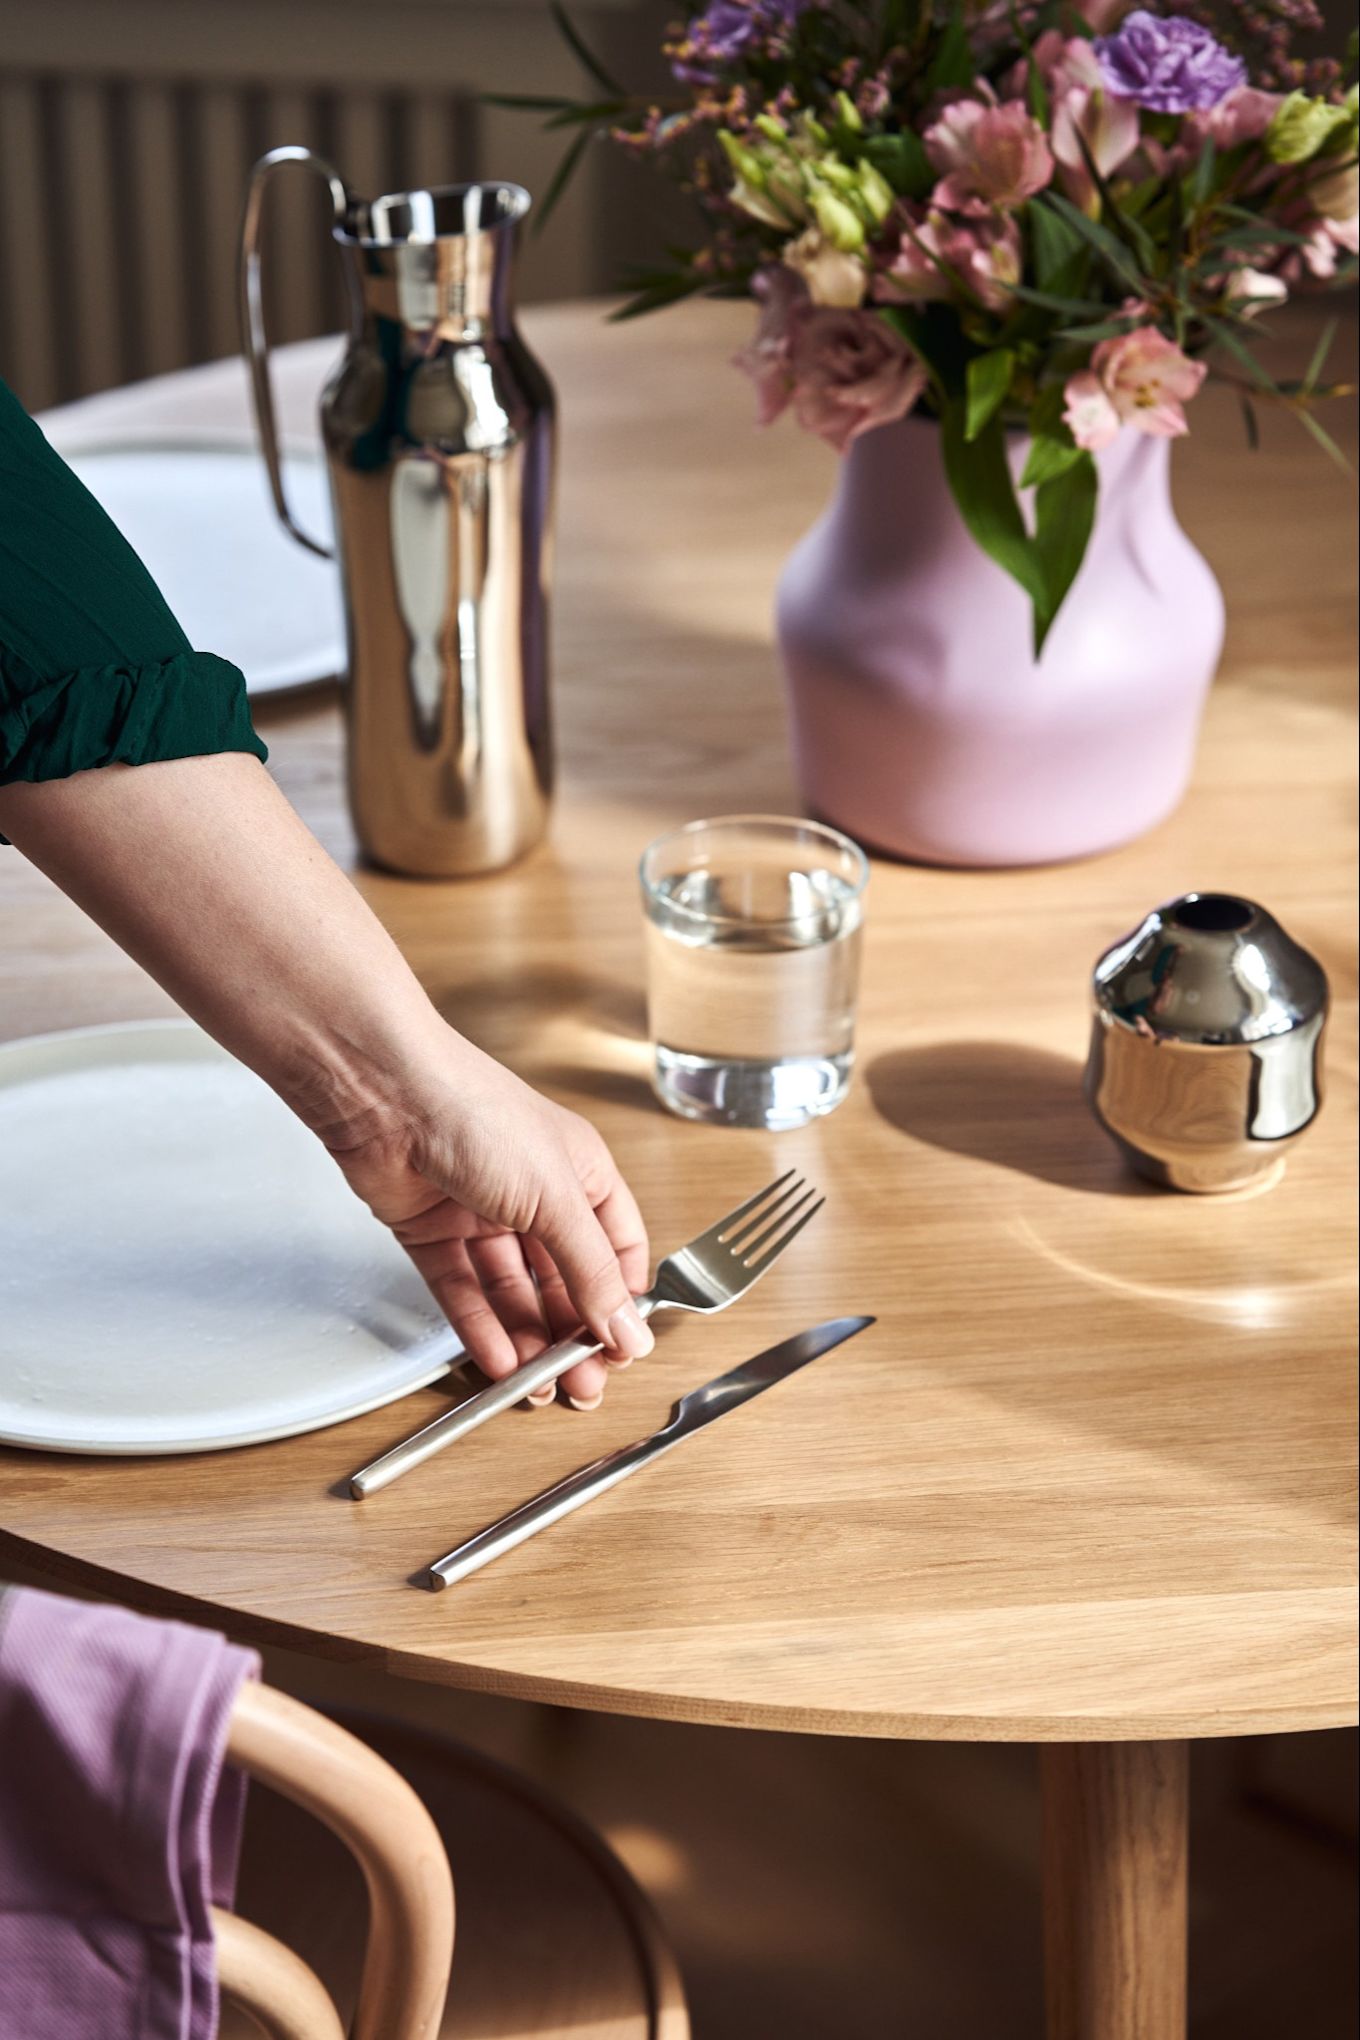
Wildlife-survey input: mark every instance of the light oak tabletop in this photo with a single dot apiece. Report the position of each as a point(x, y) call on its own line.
point(1091, 1476)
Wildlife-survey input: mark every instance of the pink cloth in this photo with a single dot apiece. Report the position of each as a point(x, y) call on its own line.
point(118, 1826)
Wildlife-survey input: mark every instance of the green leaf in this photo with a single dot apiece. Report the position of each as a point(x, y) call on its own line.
point(525, 102)
point(1076, 308)
point(1036, 92)
point(1111, 251)
point(989, 378)
point(952, 64)
point(1323, 437)
point(572, 36)
point(902, 159)
point(1064, 513)
point(1202, 183)
point(574, 116)
point(980, 482)
point(1100, 329)
point(654, 297)
point(932, 332)
point(1252, 429)
point(1129, 230)
point(1058, 249)
point(1320, 353)
point(1223, 332)
point(562, 177)
point(1052, 450)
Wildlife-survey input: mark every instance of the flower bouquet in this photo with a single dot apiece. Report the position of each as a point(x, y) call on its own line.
point(1051, 215)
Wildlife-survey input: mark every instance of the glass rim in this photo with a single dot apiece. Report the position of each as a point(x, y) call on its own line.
point(791, 823)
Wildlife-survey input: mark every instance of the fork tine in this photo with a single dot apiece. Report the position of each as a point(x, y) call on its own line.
point(755, 1245)
point(772, 1253)
point(741, 1236)
point(715, 1232)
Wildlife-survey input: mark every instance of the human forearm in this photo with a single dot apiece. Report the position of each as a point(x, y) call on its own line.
point(202, 871)
point(511, 1207)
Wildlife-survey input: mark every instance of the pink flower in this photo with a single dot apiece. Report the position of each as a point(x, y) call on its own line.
point(987, 155)
point(1140, 379)
point(1243, 116)
point(940, 257)
point(1255, 290)
point(1108, 126)
point(766, 356)
point(851, 372)
point(1088, 413)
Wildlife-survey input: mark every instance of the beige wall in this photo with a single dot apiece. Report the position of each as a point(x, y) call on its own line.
point(127, 128)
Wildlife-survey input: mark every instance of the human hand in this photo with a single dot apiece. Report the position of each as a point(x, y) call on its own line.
point(514, 1213)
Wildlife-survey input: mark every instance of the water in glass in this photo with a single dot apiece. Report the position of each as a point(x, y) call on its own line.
point(753, 968)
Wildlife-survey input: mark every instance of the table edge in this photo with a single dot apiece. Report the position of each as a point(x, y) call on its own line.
point(247, 1627)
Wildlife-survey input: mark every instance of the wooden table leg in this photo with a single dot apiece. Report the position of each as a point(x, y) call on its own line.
point(1116, 1829)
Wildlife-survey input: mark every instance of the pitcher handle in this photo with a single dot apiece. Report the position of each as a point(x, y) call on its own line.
point(254, 341)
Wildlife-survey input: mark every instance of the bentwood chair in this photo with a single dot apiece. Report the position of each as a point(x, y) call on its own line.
point(345, 1909)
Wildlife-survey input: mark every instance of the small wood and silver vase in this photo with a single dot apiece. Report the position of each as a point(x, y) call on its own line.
point(1206, 1047)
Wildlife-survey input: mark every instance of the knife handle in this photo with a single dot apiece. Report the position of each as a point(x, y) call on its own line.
point(549, 1507)
point(456, 1423)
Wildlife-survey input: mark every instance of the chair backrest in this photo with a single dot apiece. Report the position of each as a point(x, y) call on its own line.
point(382, 1822)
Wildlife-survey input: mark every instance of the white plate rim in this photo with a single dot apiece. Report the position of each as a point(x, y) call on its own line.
point(75, 447)
point(449, 1350)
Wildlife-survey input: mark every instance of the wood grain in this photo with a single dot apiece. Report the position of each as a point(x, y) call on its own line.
point(1090, 1476)
point(1116, 1850)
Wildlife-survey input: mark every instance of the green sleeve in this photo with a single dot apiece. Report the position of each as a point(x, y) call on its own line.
point(94, 669)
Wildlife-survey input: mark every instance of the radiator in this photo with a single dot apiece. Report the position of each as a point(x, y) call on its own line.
point(120, 209)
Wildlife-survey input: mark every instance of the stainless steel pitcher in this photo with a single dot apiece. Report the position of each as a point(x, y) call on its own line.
point(438, 426)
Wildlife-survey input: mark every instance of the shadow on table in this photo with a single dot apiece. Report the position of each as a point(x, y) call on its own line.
point(512, 1005)
point(605, 1086)
point(1020, 1108)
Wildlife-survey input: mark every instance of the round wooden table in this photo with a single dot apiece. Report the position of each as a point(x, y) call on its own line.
point(1087, 1483)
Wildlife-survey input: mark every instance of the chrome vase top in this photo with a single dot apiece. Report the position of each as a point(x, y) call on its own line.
point(1206, 1045)
point(438, 425)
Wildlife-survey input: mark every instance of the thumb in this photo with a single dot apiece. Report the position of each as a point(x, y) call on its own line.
point(565, 1224)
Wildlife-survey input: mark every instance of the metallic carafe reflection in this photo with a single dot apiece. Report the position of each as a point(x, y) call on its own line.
point(438, 426)
point(1206, 1047)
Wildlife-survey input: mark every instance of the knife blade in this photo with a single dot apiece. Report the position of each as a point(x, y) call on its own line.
point(702, 1406)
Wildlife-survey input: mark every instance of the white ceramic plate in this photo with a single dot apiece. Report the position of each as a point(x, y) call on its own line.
point(182, 1266)
point(202, 519)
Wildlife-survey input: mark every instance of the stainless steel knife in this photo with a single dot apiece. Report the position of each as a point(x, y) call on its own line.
point(700, 1407)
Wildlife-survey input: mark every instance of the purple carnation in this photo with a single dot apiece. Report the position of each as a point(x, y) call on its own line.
point(726, 30)
point(1169, 66)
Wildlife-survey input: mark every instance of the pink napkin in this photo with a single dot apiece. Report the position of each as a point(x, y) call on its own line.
point(118, 1825)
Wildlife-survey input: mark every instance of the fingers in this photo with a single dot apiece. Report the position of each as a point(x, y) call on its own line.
point(457, 1288)
point(507, 1285)
point(618, 1213)
point(589, 1267)
point(486, 1291)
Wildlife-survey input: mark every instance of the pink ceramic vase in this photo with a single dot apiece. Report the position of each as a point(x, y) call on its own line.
point(921, 722)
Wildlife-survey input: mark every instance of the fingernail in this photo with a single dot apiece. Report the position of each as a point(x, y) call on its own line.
point(586, 1402)
point(541, 1397)
point(618, 1360)
point(628, 1334)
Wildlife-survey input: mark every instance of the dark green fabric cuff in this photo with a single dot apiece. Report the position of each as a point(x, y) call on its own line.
point(185, 707)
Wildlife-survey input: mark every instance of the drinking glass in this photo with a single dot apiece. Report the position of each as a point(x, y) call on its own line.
point(753, 940)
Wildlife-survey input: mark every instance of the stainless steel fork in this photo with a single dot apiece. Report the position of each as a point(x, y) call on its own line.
point(705, 1276)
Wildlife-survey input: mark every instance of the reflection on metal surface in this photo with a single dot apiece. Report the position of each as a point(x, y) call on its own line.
point(439, 434)
point(1206, 1046)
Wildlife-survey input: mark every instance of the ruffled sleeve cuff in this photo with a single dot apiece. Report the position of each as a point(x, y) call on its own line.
point(185, 707)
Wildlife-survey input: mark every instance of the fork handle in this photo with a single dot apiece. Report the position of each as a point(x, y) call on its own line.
point(456, 1423)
